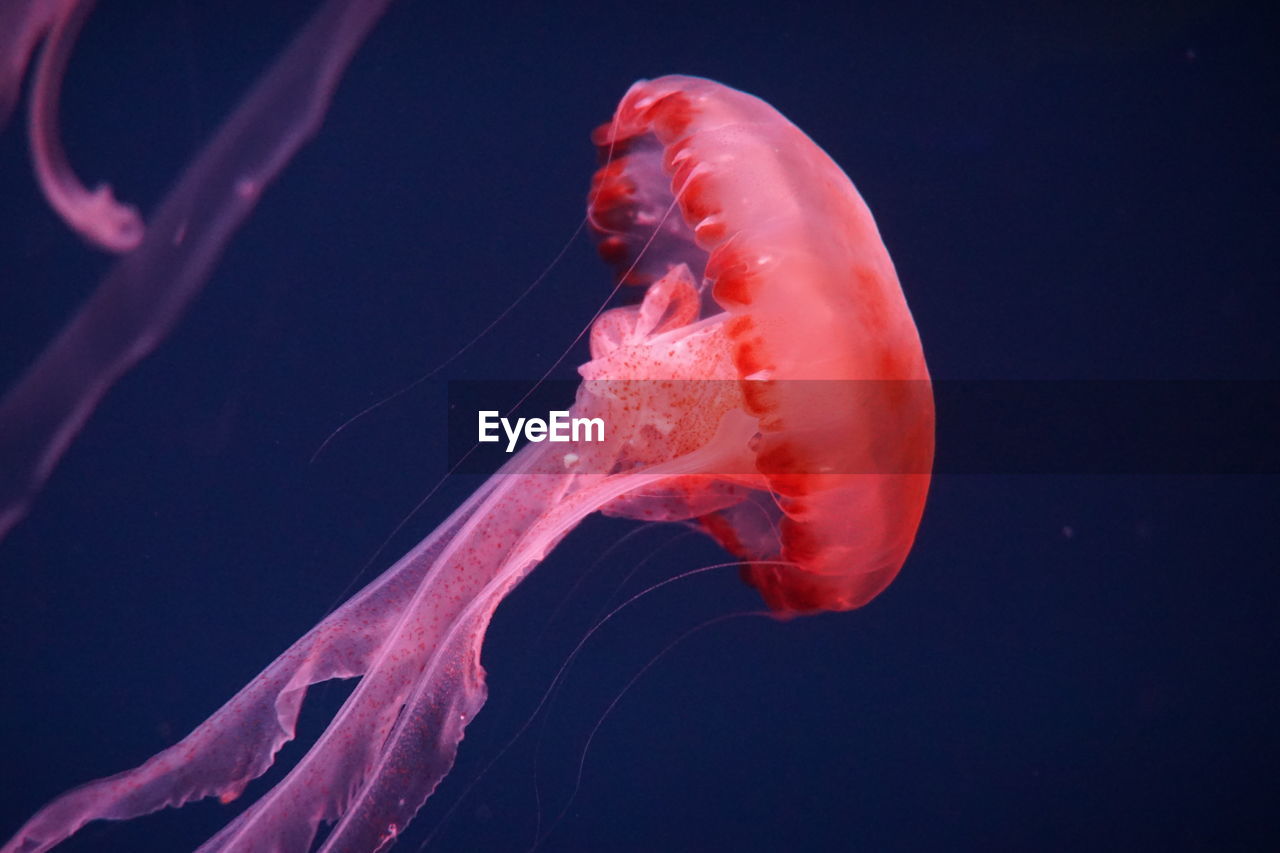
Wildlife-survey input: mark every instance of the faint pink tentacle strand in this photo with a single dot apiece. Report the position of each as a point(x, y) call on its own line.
point(93, 214)
point(145, 294)
point(22, 25)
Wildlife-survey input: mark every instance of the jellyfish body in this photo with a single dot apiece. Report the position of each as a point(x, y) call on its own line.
point(769, 387)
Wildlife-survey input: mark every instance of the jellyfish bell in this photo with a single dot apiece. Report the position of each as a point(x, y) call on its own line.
point(811, 315)
point(769, 387)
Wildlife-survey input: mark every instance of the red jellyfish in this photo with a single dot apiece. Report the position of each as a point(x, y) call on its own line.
point(770, 387)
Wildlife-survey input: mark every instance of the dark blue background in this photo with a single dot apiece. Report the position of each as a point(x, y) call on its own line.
point(1064, 663)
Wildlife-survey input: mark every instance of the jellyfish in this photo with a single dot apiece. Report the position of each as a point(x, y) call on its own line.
point(768, 388)
point(164, 265)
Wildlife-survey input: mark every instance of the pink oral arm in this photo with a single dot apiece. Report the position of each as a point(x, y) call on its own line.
point(239, 742)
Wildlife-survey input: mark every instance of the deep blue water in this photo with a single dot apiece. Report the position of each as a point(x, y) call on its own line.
point(1065, 662)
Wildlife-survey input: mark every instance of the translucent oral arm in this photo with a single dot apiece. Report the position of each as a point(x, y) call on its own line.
point(93, 214)
point(240, 740)
point(141, 300)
